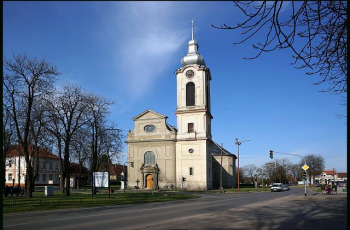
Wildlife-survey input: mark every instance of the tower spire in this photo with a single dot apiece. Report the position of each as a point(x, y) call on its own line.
point(192, 22)
point(192, 56)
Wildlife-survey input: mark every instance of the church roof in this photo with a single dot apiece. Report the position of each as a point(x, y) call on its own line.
point(217, 150)
point(149, 111)
point(170, 127)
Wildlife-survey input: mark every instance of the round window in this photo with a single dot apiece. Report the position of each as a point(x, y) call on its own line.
point(149, 128)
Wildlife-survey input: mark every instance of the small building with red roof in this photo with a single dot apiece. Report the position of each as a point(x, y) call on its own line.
point(15, 169)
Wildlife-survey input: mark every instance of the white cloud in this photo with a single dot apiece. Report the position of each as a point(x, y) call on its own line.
point(147, 37)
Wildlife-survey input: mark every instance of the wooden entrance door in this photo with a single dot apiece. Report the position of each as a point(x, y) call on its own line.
point(149, 181)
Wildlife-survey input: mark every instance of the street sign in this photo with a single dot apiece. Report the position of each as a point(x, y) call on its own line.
point(305, 167)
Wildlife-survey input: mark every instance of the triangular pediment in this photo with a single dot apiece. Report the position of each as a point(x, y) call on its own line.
point(149, 114)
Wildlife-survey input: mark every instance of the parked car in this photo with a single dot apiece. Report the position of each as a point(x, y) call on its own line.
point(285, 187)
point(277, 187)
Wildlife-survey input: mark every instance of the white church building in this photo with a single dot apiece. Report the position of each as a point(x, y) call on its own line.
point(163, 155)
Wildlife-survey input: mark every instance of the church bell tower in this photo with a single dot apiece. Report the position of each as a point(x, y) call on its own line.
point(193, 114)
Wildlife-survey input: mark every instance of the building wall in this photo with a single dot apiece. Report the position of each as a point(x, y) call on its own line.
point(200, 83)
point(165, 160)
point(197, 160)
point(48, 170)
point(209, 167)
point(199, 114)
point(228, 170)
point(161, 142)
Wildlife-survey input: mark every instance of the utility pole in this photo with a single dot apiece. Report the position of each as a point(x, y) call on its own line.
point(238, 143)
point(221, 188)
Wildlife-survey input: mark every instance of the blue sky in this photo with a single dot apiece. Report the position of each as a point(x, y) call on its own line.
point(129, 51)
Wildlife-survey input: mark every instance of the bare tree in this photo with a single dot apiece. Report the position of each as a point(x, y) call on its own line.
point(8, 137)
point(277, 170)
point(315, 31)
point(55, 128)
point(25, 79)
point(271, 170)
point(316, 164)
point(80, 149)
point(8, 131)
point(249, 171)
point(296, 171)
point(104, 138)
point(68, 114)
point(113, 145)
point(38, 135)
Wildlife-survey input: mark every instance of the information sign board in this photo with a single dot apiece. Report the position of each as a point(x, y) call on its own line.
point(101, 179)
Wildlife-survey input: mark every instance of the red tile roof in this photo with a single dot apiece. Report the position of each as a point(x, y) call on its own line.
point(330, 172)
point(14, 151)
point(342, 175)
point(117, 169)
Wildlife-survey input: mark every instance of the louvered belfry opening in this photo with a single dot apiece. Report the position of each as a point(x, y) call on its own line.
point(190, 94)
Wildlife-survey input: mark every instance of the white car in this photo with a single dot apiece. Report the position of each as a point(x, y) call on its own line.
point(285, 187)
point(277, 187)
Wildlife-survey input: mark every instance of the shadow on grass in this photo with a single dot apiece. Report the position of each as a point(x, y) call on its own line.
point(77, 200)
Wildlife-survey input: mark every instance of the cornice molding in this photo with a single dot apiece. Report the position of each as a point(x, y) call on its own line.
point(194, 111)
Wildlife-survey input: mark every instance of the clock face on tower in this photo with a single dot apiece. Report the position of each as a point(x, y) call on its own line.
point(189, 73)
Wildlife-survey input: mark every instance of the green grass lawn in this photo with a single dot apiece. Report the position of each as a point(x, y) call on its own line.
point(83, 198)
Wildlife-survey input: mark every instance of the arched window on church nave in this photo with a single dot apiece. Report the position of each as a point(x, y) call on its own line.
point(190, 94)
point(150, 158)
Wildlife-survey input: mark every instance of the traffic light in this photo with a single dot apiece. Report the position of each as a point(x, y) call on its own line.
point(183, 179)
point(132, 164)
point(304, 175)
point(271, 154)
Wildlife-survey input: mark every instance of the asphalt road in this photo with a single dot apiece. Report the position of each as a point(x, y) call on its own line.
point(263, 210)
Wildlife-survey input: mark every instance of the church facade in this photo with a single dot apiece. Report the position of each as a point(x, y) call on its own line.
point(162, 155)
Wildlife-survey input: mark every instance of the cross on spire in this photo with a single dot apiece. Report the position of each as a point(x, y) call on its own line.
point(192, 22)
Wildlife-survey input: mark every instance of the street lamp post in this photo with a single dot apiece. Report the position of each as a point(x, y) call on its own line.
point(238, 143)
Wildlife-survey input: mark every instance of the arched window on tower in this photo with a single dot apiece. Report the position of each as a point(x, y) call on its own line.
point(190, 94)
point(150, 158)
